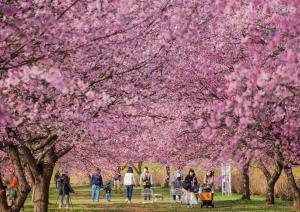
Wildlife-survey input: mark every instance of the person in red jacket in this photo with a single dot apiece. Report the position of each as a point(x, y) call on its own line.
point(14, 184)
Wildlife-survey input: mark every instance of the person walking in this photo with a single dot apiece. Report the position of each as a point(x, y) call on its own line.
point(97, 184)
point(117, 181)
point(129, 182)
point(146, 181)
point(108, 191)
point(189, 184)
point(64, 190)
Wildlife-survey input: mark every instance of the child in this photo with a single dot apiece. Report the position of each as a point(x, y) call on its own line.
point(108, 191)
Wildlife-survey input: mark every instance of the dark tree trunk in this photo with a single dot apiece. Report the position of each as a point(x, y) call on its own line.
point(138, 169)
point(246, 182)
point(271, 180)
point(292, 183)
point(167, 180)
point(41, 170)
point(3, 202)
point(42, 183)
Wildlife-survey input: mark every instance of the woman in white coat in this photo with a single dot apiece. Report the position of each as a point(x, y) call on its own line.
point(129, 182)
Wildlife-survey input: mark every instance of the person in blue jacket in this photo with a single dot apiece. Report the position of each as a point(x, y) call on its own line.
point(97, 184)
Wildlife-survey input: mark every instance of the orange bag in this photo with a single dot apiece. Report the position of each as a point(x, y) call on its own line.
point(206, 196)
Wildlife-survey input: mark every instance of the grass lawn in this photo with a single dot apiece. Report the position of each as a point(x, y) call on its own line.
point(81, 202)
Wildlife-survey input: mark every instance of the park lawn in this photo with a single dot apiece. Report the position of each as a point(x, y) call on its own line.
point(81, 202)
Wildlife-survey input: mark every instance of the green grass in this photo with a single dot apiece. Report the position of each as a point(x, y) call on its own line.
point(81, 202)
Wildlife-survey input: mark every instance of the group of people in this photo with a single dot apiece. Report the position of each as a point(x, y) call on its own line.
point(129, 182)
point(186, 189)
point(145, 180)
point(62, 182)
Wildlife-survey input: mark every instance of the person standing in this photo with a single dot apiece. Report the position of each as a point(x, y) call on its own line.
point(189, 184)
point(129, 182)
point(146, 181)
point(64, 190)
point(117, 181)
point(97, 183)
point(108, 191)
point(14, 184)
point(57, 179)
point(209, 180)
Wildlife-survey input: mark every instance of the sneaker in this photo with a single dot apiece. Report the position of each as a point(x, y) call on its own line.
point(129, 201)
point(173, 201)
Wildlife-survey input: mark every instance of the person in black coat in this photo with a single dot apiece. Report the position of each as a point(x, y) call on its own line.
point(189, 184)
point(190, 181)
point(64, 190)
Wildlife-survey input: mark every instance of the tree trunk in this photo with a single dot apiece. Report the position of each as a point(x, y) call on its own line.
point(167, 180)
point(270, 196)
point(42, 183)
point(246, 182)
point(3, 202)
point(139, 169)
point(292, 183)
point(271, 180)
point(41, 195)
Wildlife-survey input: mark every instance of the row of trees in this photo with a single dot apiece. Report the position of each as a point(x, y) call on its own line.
point(91, 82)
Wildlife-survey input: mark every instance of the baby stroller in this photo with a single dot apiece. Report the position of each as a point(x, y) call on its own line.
point(206, 197)
point(176, 194)
point(147, 195)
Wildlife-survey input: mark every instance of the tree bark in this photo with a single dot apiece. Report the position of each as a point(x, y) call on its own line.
point(271, 180)
point(292, 183)
point(3, 202)
point(24, 188)
point(246, 182)
point(167, 180)
point(41, 195)
point(42, 182)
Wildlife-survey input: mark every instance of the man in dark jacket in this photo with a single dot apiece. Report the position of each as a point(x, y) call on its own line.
point(97, 183)
point(64, 190)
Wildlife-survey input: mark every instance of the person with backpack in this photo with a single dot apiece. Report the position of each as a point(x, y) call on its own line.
point(64, 190)
point(97, 184)
point(146, 181)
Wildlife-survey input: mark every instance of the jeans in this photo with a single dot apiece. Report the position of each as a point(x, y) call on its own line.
point(61, 200)
point(108, 196)
point(129, 189)
point(95, 192)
